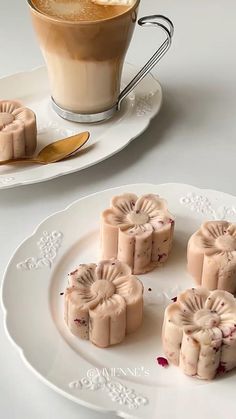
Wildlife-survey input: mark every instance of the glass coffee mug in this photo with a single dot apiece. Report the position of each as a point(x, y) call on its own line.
point(85, 60)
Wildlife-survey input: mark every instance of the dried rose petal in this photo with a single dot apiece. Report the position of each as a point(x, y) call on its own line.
point(221, 369)
point(174, 299)
point(162, 361)
point(160, 257)
point(74, 272)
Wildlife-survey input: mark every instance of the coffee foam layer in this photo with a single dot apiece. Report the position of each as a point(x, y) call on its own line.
point(78, 10)
point(115, 2)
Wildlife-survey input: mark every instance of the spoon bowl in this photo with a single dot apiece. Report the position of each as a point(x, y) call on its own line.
point(55, 151)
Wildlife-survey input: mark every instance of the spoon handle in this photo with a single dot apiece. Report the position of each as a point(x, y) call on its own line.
point(20, 160)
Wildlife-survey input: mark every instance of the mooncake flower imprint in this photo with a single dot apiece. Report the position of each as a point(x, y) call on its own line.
point(103, 302)
point(137, 231)
point(199, 332)
point(18, 130)
point(212, 256)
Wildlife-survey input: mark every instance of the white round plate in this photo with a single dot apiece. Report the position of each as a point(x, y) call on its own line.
point(126, 378)
point(106, 139)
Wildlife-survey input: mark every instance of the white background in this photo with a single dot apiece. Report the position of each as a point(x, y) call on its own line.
point(193, 140)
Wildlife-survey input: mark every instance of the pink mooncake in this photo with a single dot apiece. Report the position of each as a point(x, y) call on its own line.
point(211, 256)
point(137, 231)
point(103, 302)
point(18, 131)
point(199, 332)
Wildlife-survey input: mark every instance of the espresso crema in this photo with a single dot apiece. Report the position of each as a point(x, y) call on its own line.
point(78, 10)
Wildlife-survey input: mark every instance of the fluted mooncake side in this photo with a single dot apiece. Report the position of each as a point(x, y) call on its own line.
point(211, 256)
point(18, 130)
point(199, 332)
point(137, 231)
point(103, 302)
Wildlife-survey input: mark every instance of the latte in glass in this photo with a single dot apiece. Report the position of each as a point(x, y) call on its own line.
point(84, 46)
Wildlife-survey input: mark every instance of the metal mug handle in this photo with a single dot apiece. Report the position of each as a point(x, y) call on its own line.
point(167, 26)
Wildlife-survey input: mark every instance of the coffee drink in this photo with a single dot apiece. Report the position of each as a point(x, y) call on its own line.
point(84, 46)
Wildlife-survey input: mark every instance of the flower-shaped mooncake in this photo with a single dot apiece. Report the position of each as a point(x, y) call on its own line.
point(103, 302)
point(199, 332)
point(137, 231)
point(18, 131)
point(212, 256)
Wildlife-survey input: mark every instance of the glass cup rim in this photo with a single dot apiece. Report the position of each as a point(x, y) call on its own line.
point(79, 22)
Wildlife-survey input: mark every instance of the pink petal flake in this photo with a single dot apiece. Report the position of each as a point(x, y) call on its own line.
point(160, 257)
point(221, 369)
point(73, 273)
point(162, 361)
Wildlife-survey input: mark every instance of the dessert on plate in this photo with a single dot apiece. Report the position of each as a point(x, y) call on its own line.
point(137, 231)
point(199, 332)
point(211, 256)
point(103, 302)
point(18, 131)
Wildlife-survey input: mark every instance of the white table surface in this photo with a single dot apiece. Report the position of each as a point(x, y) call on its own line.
point(193, 140)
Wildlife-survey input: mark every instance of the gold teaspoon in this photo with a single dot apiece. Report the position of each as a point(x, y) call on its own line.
point(56, 151)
